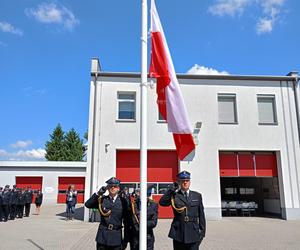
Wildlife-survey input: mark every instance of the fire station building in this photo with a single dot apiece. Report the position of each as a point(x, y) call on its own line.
point(246, 130)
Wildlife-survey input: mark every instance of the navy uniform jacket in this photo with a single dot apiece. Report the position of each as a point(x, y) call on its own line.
point(119, 214)
point(1, 199)
point(14, 196)
point(188, 226)
point(21, 198)
point(152, 212)
point(28, 196)
point(6, 197)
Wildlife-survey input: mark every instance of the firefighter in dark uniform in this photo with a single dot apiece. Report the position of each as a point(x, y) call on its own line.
point(20, 202)
point(28, 200)
point(114, 211)
point(1, 202)
point(152, 214)
point(188, 226)
point(6, 197)
point(13, 203)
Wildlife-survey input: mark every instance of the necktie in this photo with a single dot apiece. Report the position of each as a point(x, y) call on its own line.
point(186, 195)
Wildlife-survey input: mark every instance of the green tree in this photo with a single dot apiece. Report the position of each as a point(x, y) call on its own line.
point(55, 146)
point(73, 146)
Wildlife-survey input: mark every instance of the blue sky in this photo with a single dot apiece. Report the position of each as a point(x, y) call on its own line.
point(46, 48)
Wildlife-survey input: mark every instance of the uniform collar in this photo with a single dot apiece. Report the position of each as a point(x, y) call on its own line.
point(113, 198)
point(188, 191)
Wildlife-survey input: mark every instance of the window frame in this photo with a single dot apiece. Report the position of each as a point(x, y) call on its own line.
point(270, 97)
point(228, 95)
point(118, 119)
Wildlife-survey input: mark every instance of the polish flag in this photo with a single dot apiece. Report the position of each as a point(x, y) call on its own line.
point(169, 98)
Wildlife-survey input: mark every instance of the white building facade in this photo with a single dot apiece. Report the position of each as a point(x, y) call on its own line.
point(246, 129)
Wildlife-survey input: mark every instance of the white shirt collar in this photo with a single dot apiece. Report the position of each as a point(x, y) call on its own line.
point(188, 191)
point(113, 198)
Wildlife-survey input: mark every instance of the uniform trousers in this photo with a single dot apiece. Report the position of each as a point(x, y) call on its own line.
point(5, 212)
point(134, 243)
point(20, 211)
point(12, 213)
point(181, 246)
point(27, 209)
point(103, 247)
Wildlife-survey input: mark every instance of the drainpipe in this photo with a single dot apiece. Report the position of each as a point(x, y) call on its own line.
point(296, 96)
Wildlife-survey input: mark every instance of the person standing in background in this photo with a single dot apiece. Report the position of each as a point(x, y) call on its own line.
point(13, 203)
point(1, 202)
point(20, 202)
point(28, 200)
point(71, 201)
point(6, 197)
point(38, 202)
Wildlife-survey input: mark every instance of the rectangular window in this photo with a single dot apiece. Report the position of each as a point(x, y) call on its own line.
point(227, 108)
point(266, 109)
point(229, 190)
point(247, 191)
point(126, 106)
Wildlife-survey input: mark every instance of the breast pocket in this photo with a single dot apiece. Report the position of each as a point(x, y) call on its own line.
point(194, 203)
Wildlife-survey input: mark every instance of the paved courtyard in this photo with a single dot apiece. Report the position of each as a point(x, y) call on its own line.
point(50, 231)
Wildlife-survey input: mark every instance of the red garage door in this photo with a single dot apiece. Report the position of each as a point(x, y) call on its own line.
point(35, 182)
point(162, 169)
point(246, 164)
point(65, 182)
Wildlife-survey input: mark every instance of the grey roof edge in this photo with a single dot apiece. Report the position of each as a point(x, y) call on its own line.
point(208, 77)
point(43, 164)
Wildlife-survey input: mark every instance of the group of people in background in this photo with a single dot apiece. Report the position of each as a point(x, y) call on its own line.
point(16, 202)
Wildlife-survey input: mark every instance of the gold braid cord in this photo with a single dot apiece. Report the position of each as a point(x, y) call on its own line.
point(177, 209)
point(134, 212)
point(100, 208)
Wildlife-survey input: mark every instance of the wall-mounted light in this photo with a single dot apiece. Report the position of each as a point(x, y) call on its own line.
point(196, 131)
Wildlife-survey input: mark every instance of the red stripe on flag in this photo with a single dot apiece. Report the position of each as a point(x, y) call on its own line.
point(159, 70)
point(184, 144)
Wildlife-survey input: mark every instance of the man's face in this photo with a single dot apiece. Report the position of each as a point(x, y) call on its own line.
point(184, 184)
point(113, 190)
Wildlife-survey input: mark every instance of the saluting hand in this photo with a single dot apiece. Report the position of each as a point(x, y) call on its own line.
point(102, 190)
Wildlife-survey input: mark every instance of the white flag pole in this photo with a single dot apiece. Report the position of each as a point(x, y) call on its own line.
point(143, 131)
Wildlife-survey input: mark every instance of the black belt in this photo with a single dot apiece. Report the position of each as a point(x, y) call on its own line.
point(190, 219)
point(111, 227)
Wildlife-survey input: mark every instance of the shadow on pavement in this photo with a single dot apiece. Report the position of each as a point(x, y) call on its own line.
point(79, 214)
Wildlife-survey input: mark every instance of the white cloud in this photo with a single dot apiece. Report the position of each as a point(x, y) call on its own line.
point(229, 7)
point(202, 70)
point(23, 155)
point(264, 25)
point(269, 11)
point(53, 14)
point(9, 28)
point(21, 144)
point(32, 154)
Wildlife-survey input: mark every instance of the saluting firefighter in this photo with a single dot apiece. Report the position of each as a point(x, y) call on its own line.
point(188, 226)
point(152, 212)
point(114, 211)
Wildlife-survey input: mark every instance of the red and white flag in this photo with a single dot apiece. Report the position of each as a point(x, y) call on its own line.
point(169, 98)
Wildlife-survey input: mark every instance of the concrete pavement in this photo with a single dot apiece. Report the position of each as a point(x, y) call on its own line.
point(50, 231)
